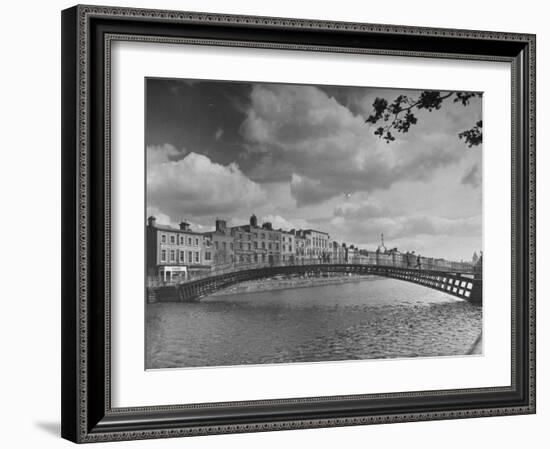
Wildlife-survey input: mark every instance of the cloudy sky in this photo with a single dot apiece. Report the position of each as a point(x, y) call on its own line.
point(303, 157)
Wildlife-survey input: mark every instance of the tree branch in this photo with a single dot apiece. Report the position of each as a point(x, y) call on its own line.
point(392, 114)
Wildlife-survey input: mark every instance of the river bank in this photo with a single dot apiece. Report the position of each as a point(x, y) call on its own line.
point(290, 283)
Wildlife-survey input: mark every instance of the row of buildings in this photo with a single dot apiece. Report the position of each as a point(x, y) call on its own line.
point(176, 253)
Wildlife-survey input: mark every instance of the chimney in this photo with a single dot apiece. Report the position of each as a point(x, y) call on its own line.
point(152, 221)
point(220, 225)
point(184, 226)
point(254, 221)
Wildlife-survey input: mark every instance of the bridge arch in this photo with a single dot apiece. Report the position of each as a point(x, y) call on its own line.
point(461, 285)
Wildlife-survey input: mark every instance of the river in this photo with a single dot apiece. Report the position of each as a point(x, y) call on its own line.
point(372, 318)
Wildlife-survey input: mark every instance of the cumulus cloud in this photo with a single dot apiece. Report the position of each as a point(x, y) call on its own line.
point(309, 191)
point(196, 186)
point(280, 222)
point(324, 150)
point(161, 218)
point(361, 211)
point(158, 154)
point(472, 177)
point(366, 223)
point(429, 225)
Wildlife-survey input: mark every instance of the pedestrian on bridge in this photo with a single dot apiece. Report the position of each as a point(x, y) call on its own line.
point(418, 262)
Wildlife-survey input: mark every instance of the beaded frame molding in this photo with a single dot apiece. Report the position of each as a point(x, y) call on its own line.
point(87, 34)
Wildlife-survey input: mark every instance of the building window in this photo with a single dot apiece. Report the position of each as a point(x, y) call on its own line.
point(182, 256)
point(216, 244)
point(224, 244)
point(172, 255)
point(277, 246)
point(269, 246)
point(197, 242)
point(231, 246)
point(189, 256)
point(207, 255)
point(189, 241)
point(255, 245)
point(240, 245)
point(197, 257)
point(163, 238)
point(172, 239)
point(182, 240)
point(263, 235)
point(163, 255)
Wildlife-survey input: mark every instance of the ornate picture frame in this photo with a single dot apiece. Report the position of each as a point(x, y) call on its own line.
point(87, 35)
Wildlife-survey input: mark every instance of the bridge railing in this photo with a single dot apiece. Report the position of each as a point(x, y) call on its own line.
point(232, 267)
point(399, 260)
point(409, 261)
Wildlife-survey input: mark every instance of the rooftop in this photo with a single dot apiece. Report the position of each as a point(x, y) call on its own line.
point(171, 229)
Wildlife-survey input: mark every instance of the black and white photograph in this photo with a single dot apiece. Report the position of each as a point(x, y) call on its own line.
point(275, 220)
point(311, 223)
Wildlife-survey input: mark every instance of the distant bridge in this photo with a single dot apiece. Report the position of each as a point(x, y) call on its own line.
point(457, 279)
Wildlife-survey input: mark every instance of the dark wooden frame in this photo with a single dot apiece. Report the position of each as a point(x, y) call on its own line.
point(87, 32)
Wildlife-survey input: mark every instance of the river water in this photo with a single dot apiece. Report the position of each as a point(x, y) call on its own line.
point(372, 318)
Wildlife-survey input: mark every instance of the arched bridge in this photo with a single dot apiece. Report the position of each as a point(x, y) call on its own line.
point(464, 284)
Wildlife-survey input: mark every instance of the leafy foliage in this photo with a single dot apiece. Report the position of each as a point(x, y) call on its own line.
point(399, 116)
point(472, 136)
